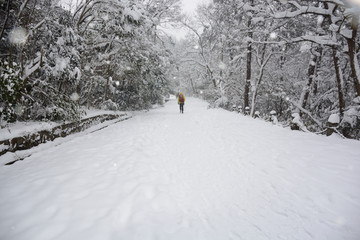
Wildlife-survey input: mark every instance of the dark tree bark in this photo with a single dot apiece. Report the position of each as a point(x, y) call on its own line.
point(318, 63)
point(6, 18)
point(248, 62)
point(107, 83)
point(248, 74)
point(311, 75)
point(352, 54)
point(338, 80)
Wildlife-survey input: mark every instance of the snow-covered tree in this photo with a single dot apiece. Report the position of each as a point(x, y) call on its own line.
point(288, 56)
point(85, 57)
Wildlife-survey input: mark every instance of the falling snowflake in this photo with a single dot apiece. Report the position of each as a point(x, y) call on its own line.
point(320, 20)
point(357, 2)
point(18, 36)
point(75, 96)
point(19, 109)
point(222, 65)
point(273, 35)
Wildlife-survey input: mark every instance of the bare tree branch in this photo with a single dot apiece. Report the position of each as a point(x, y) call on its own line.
point(6, 18)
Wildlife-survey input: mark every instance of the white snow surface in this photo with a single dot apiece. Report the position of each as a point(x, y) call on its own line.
point(334, 118)
point(23, 128)
point(18, 129)
point(205, 175)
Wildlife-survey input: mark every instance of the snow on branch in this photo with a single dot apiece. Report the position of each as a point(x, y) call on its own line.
point(85, 10)
point(194, 61)
point(307, 10)
point(337, 2)
point(306, 112)
point(22, 7)
point(31, 68)
point(36, 27)
point(301, 10)
point(248, 7)
point(322, 40)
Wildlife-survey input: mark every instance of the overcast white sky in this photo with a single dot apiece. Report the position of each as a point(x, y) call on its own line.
point(189, 7)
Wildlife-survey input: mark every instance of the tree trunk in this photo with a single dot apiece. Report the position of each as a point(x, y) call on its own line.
point(107, 83)
point(106, 88)
point(257, 84)
point(315, 87)
point(89, 93)
point(221, 58)
point(339, 78)
point(211, 76)
point(6, 18)
point(354, 64)
point(311, 75)
point(192, 85)
point(248, 65)
point(281, 106)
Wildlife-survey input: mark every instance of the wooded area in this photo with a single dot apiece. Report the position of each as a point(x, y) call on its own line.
point(291, 57)
point(99, 54)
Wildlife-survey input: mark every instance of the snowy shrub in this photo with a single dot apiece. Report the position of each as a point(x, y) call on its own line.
point(350, 124)
point(296, 123)
point(222, 102)
point(356, 100)
point(11, 87)
point(334, 118)
point(211, 95)
point(109, 105)
point(47, 103)
point(272, 112)
point(273, 117)
point(351, 117)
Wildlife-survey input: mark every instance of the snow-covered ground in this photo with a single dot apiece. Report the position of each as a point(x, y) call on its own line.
point(204, 174)
point(18, 129)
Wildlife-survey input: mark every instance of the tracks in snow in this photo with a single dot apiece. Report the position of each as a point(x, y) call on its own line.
point(204, 174)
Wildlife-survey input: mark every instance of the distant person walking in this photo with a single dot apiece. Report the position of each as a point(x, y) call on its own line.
point(181, 102)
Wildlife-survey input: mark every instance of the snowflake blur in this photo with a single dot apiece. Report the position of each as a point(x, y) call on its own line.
point(222, 66)
point(273, 35)
point(18, 36)
point(357, 2)
point(75, 96)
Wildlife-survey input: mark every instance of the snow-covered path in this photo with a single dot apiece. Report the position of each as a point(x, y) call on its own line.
point(205, 174)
